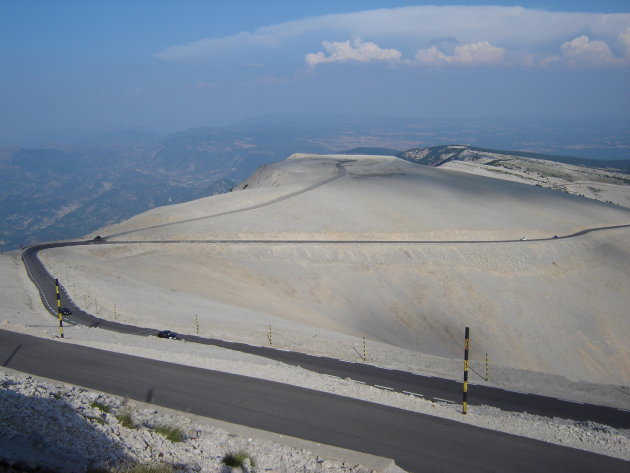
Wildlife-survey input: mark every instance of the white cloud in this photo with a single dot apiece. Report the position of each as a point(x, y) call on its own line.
point(624, 40)
point(584, 52)
point(524, 35)
point(357, 51)
point(581, 51)
point(478, 53)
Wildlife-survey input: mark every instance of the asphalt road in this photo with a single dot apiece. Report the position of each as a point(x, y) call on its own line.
point(433, 388)
point(418, 443)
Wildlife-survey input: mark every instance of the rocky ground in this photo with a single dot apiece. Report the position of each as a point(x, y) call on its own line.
point(605, 185)
point(65, 428)
point(555, 295)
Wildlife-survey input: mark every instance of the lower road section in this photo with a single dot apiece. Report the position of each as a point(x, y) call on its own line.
point(418, 443)
point(428, 387)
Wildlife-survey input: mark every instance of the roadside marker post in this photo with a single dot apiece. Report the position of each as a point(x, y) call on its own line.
point(59, 315)
point(364, 349)
point(465, 393)
point(269, 335)
point(487, 371)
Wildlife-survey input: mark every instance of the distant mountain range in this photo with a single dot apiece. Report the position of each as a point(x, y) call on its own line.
point(65, 191)
point(438, 155)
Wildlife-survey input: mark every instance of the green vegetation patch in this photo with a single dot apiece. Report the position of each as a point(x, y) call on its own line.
point(172, 433)
point(237, 460)
point(126, 420)
point(100, 406)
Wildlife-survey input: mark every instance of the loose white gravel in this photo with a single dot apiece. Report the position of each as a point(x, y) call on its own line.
point(64, 429)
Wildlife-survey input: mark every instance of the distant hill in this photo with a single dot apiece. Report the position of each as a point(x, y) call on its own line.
point(437, 155)
point(604, 180)
point(66, 191)
point(51, 194)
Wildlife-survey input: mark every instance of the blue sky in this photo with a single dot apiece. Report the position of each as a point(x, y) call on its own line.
point(171, 65)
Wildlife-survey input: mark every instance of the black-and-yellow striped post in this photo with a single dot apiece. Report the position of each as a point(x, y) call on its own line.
point(466, 347)
point(487, 370)
point(59, 314)
point(364, 350)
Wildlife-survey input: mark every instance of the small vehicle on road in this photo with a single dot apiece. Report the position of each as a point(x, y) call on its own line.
point(168, 334)
point(65, 311)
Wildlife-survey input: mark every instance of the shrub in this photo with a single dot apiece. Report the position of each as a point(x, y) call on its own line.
point(125, 420)
point(101, 407)
point(236, 460)
point(172, 433)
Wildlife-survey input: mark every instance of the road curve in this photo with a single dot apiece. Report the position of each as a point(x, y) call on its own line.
point(418, 443)
point(431, 388)
point(412, 384)
point(340, 171)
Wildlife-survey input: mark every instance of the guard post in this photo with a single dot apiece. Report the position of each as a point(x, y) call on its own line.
point(487, 370)
point(364, 350)
point(59, 314)
point(465, 393)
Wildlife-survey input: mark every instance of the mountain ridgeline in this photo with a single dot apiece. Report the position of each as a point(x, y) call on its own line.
point(438, 155)
point(64, 192)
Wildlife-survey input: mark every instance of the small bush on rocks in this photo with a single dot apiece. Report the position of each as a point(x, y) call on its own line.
point(100, 406)
point(172, 433)
point(238, 460)
point(125, 420)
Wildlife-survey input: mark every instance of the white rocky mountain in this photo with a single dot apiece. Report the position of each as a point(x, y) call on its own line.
point(375, 246)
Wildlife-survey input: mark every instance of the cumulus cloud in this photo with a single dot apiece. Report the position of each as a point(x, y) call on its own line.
point(624, 40)
point(583, 51)
point(478, 30)
point(357, 51)
point(478, 53)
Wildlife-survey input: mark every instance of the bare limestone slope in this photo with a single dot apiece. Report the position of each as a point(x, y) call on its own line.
point(404, 254)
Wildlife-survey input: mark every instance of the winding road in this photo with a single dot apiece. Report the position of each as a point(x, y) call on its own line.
point(417, 442)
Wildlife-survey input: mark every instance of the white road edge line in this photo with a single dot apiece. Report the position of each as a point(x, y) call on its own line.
point(443, 400)
point(383, 387)
point(413, 394)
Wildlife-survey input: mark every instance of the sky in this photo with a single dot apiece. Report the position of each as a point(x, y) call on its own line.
point(168, 65)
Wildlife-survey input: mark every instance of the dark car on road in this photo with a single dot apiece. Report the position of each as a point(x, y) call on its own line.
point(65, 311)
point(168, 334)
